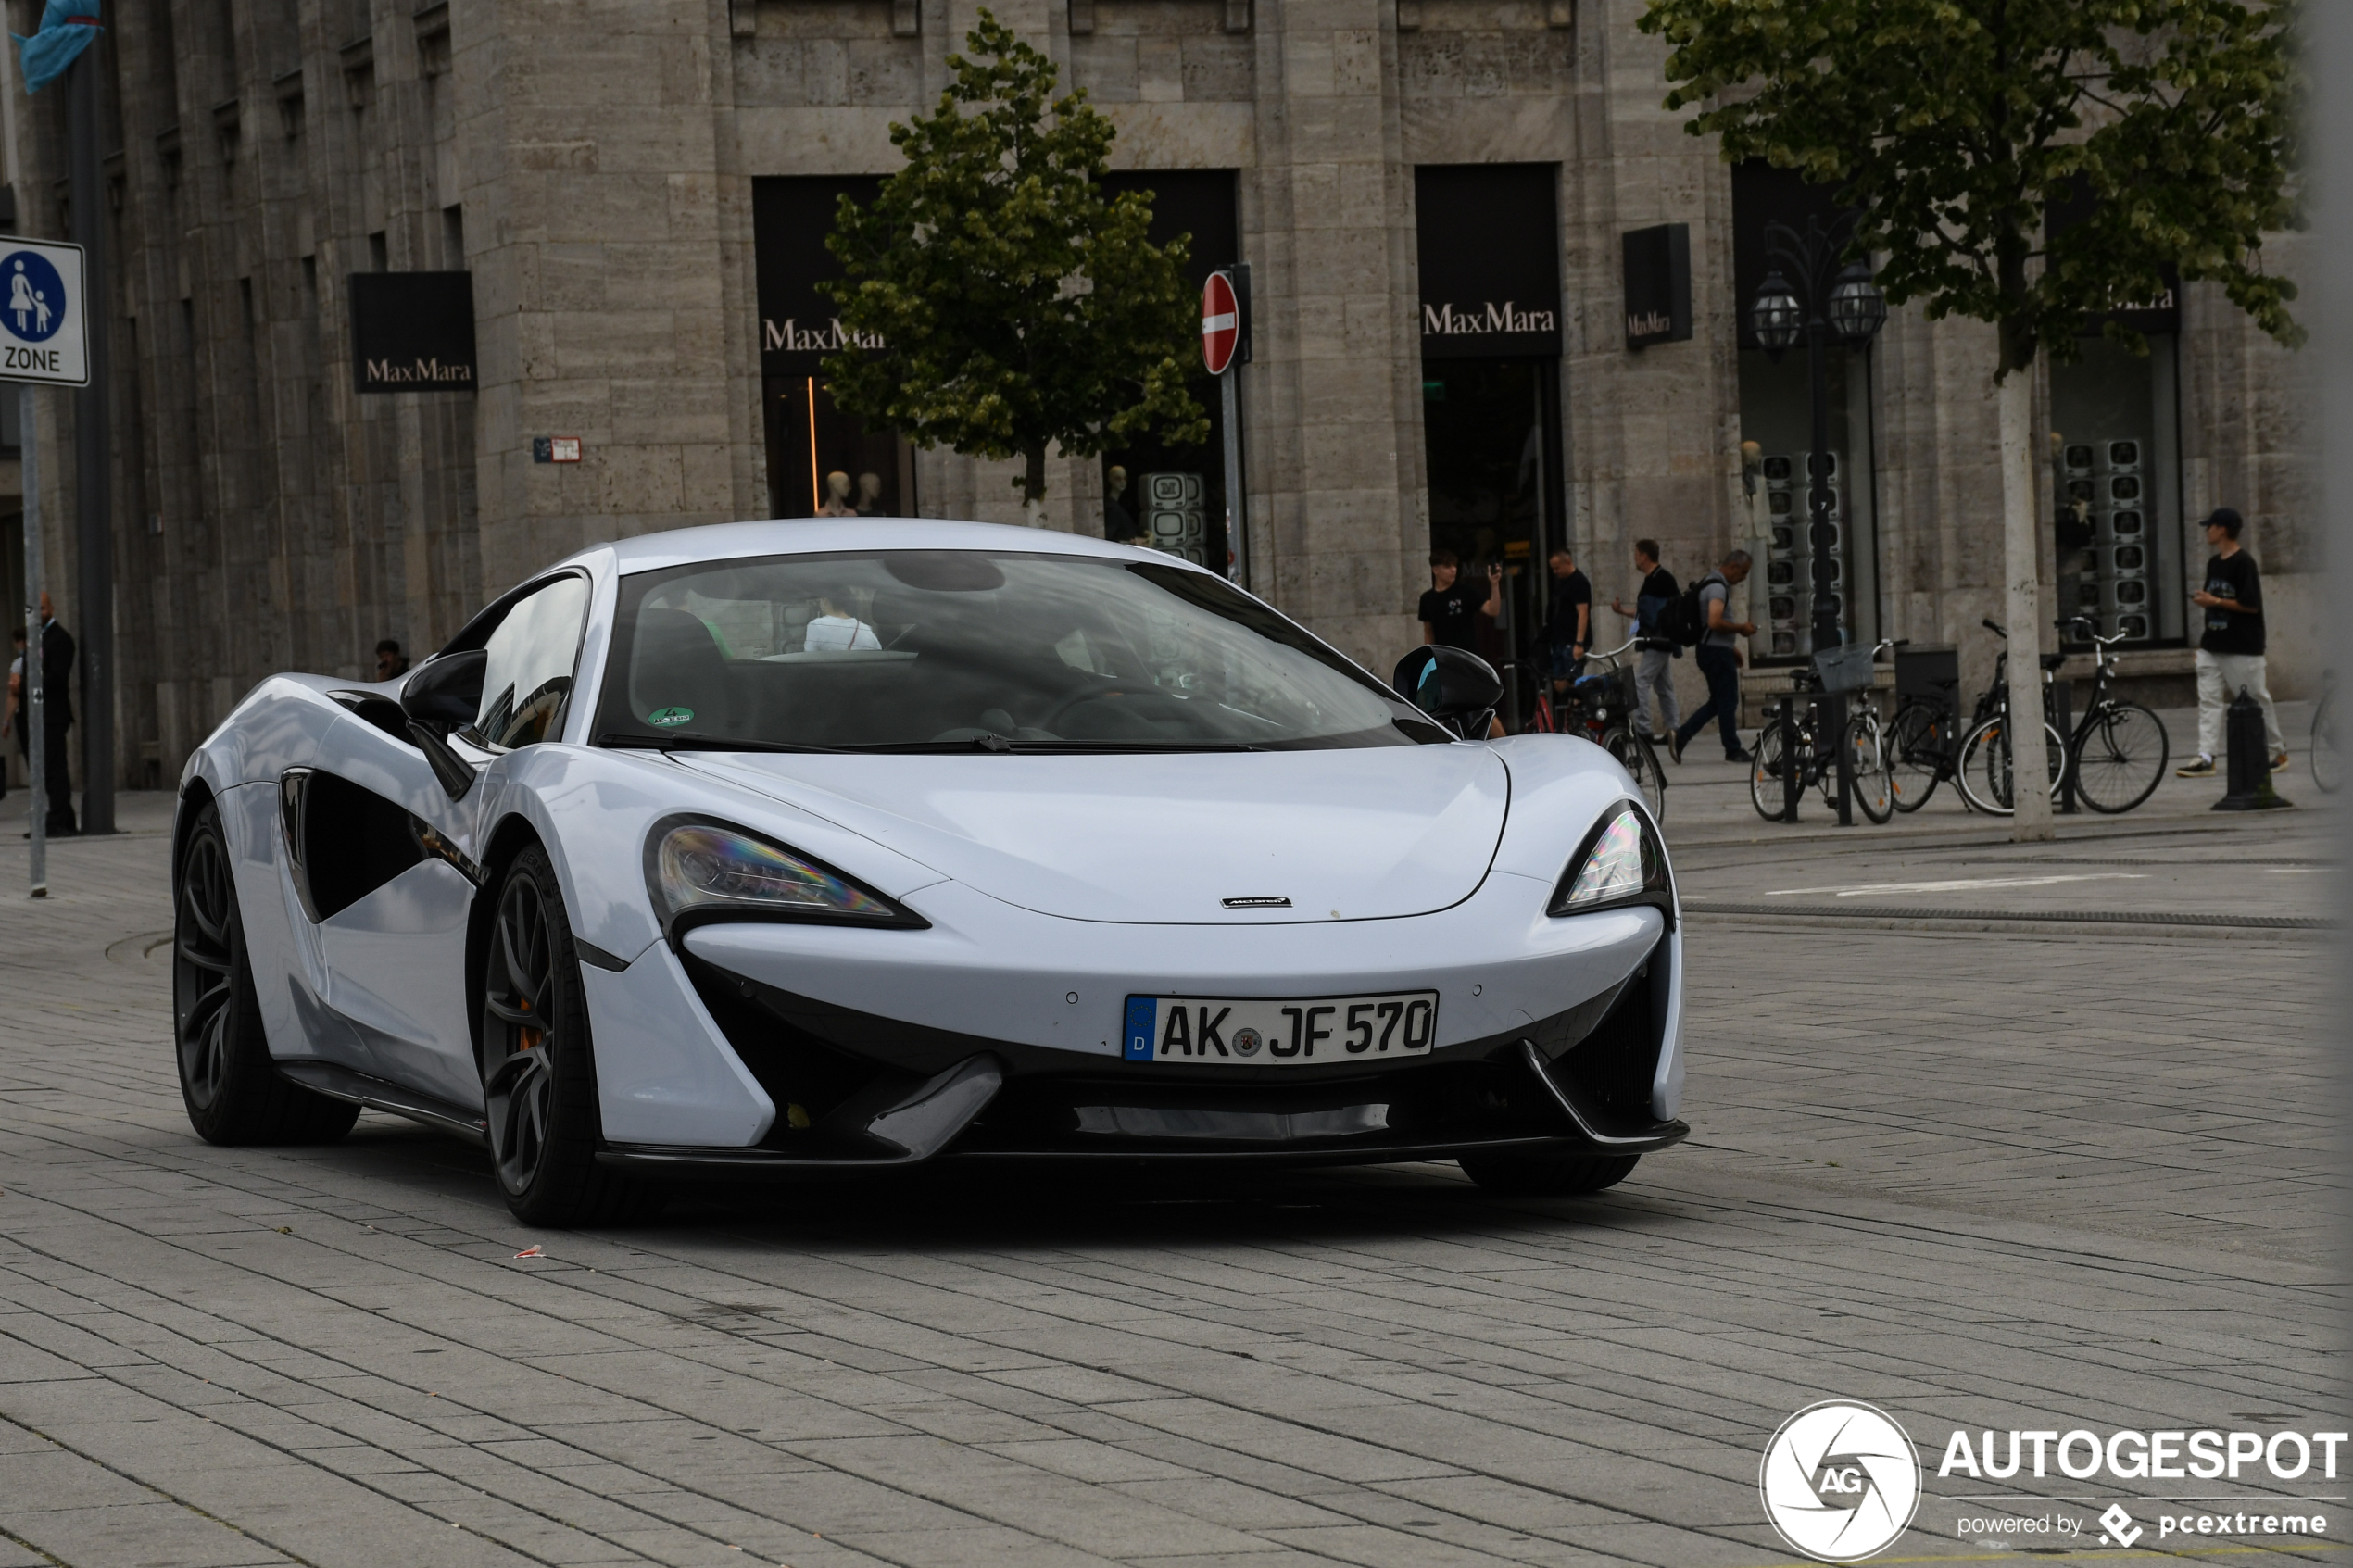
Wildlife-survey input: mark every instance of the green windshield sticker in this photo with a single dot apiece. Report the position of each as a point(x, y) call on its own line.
point(670, 715)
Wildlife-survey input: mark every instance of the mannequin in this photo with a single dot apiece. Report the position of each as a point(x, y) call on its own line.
point(870, 495)
point(837, 497)
point(1119, 523)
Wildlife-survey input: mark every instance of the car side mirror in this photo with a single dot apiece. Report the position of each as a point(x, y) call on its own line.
point(1447, 683)
point(445, 693)
point(447, 690)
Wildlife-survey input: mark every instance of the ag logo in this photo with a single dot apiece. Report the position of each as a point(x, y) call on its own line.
point(1841, 1481)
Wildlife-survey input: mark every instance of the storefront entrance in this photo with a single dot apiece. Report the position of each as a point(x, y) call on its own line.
point(821, 462)
point(1491, 337)
point(1171, 496)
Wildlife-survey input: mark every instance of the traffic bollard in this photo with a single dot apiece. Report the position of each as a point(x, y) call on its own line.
point(2248, 757)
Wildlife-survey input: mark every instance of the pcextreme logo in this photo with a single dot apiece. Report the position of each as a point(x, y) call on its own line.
point(1841, 1481)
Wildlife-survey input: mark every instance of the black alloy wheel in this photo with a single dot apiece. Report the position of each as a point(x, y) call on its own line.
point(538, 1068)
point(231, 1090)
point(1546, 1175)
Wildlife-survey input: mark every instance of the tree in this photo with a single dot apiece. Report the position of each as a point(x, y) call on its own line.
point(1955, 126)
point(1010, 305)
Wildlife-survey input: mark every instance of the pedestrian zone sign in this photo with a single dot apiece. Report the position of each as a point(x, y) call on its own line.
point(41, 331)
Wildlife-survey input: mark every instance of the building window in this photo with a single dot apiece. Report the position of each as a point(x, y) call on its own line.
point(1776, 439)
point(821, 461)
point(2116, 452)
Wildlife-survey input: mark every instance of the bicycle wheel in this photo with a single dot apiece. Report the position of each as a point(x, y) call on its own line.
point(1867, 757)
point(1983, 774)
point(2328, 766)
point(1917, 743)
point(1634, 755)
point(2122, 755)
point(1776, 748)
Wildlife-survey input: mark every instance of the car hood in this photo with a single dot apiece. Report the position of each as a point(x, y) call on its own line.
point(1355, 833)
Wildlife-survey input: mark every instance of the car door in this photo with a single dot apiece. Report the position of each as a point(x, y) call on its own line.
point(394, 877)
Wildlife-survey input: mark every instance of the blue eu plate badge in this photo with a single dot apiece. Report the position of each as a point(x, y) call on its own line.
point(1140, 1014)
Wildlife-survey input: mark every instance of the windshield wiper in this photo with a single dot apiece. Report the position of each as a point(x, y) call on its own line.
point(701, 743)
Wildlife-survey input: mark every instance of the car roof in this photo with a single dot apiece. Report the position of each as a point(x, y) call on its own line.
point(734, 541)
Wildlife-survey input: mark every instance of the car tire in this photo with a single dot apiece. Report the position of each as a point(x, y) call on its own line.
point(233, 1090)
point(538, 1062)
point(1547, 1175)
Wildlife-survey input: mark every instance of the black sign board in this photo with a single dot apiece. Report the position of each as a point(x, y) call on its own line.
point(790, 218)
point(1488, 239)
point(1659, 284)
point(2160, 314)
point(413, 331)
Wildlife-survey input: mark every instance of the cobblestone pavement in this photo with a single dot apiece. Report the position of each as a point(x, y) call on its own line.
point(1984, 1171)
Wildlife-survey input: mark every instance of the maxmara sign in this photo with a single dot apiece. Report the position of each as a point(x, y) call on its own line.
point(1487, 317)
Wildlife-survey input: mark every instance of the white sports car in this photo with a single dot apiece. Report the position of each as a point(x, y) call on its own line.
point(783, 846)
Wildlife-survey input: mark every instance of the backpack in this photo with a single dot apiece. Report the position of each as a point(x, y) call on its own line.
point(1682, 619)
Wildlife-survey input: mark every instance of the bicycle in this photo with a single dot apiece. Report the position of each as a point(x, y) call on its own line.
point(2328, 769)
point(1601, 708)
point(1867, 755)
point(2119, 749)
point(1985, 750)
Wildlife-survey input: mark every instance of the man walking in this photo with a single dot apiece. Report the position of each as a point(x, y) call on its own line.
point(1449, 610)
point(1654, 677)
point(1568, 621)
point(57, 703)
point(2230, 656)
point(1719, 660)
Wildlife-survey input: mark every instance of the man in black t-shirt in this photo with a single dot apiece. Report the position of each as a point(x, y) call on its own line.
point(2229, 653)
point(1568, 618)
point(1447, 610)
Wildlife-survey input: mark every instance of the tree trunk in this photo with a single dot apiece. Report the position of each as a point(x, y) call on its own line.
point(1033, 488)
point(2022, 609)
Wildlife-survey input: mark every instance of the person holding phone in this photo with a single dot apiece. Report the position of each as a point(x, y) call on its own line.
point(2229, 652)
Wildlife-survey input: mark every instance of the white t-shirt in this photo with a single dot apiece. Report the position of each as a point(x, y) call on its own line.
point(835, 632)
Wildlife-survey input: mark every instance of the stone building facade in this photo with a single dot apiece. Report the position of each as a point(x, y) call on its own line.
point(618, 180)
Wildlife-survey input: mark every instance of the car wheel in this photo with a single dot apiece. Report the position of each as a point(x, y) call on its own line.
point(1547, 1175)
point(538, 1064)
point(233, 1090)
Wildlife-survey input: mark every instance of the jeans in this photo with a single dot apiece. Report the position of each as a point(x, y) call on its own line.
point(2219, 676)
point(1722, 668)
point(1655, 678)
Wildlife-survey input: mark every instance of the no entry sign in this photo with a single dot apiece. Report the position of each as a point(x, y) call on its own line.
point(1221, 323)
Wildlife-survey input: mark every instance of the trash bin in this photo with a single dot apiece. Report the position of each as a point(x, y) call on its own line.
point(1928, 671)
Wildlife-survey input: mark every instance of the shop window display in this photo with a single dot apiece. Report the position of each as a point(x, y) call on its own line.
point(2116, 529)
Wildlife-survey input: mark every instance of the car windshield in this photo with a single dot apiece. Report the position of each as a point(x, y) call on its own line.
point(952, 650)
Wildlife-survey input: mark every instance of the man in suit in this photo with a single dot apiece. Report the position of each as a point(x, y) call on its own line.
point(56, 701)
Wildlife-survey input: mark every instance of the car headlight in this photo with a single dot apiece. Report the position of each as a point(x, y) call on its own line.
point(1620, 862)
point(700, 870)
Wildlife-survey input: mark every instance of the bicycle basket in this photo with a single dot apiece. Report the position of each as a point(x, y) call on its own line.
point(1844, 669)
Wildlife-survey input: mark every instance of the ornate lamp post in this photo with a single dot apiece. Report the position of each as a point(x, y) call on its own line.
point(1825, 302)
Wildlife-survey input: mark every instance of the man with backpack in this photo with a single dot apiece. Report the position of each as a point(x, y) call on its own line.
point(1698, 619)
point(1652, 673)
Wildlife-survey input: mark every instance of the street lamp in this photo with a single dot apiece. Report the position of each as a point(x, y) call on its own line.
point(1826, 302)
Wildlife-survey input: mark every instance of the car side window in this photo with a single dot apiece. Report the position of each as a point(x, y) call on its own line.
point(528, 674)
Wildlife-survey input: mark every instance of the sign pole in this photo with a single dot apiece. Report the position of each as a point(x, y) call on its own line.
point(1225, 344)
point(32, 708)
point(1239, 568)
point(92, 450)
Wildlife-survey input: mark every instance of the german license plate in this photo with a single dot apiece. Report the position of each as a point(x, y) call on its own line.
point(1279, 1032)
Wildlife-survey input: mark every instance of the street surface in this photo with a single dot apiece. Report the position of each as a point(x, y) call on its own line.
point(1982, 1166)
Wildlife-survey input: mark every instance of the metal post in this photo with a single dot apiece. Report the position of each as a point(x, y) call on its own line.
point(1238, 568)
point(1831, 725)
point(1789, 759)
point(2062, 710)
point(34, 709)
point(92, 450)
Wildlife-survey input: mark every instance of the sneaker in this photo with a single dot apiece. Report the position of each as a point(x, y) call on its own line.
point(2201, 769)
point(2279, 763)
